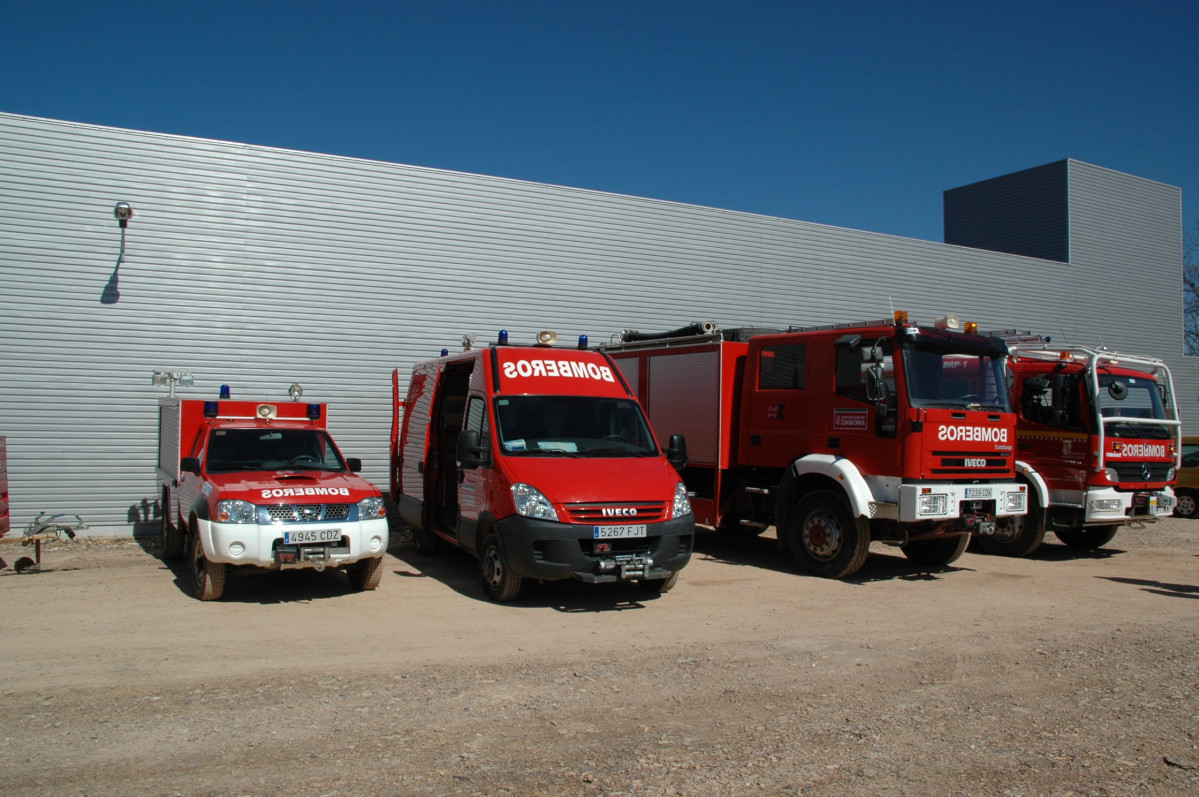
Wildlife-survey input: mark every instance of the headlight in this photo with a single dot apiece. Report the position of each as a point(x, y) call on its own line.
point(1170, 474)
point(1111, 475)
point(235, 511)
point(1014, 502)
point(370, 508)
point(531, 503)
point(682, 504)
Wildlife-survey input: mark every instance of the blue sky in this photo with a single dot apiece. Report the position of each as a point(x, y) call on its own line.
point(855, 114)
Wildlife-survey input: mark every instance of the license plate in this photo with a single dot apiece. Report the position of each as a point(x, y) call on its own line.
point(618, 532)
point(978, 492)
point(309, 536)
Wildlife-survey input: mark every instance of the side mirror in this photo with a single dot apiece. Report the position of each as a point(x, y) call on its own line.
point(470, 452)
point(190, 465)
point(676, 452)
point(354, 464)
point(876, 384)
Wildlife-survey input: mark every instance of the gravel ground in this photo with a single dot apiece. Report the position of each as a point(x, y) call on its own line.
point(1068, 673)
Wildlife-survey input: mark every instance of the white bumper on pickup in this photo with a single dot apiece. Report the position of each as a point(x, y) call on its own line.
point(256, 544)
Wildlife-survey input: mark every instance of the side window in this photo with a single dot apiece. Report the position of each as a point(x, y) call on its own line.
point(851, 371)
point(476, 417)
point(782, 367)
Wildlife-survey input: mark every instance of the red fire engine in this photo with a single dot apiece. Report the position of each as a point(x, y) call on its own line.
point(251, 483)
point(1097, 441)
point(538, 461)
point(837, 435)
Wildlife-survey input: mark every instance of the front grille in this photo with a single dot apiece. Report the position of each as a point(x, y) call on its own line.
point(308, 513)
point(617, 512)
point(953, 463)
point(1135, 471)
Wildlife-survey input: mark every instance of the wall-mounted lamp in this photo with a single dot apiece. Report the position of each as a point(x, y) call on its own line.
point(123, 212)
point(172, 378)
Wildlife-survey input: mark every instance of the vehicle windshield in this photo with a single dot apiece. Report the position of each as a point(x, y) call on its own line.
point(232, 450)
point(1131, 397)
point(944, 372)
point(572, 426)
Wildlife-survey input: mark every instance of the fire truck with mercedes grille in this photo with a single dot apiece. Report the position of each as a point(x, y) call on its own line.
point(1098, 443)
point(837, 435)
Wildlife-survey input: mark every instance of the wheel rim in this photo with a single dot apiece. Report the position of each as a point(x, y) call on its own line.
point(822, 535)
point(493, 568)
point(1186, 505)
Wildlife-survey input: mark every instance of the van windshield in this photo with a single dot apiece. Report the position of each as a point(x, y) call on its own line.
point(572, 426)
point(233, 450)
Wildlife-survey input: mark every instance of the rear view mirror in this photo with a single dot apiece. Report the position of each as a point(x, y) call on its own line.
point(470, 452)
point(676, 452)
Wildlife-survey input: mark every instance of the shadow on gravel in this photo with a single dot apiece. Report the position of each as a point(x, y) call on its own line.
point(1158, 587)
point(764, 553)
point(256, 585)
point(459, 571)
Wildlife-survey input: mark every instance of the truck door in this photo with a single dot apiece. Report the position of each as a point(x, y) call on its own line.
point(472, 482)
point(441, 507)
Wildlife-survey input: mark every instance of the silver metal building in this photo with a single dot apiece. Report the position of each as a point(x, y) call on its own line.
point(257, 267)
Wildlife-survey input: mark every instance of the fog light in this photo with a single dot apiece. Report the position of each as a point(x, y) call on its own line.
point(236, 549)
point(1015, 502)
point(376, 543)
point(1106, 505)
point(932, 504)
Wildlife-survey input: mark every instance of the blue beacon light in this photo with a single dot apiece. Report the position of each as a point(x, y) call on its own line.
point(582, 341)
point(503, 337)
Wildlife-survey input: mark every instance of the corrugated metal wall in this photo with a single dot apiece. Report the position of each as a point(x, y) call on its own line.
point(257, 268)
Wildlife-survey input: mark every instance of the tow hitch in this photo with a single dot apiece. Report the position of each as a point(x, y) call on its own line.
point(627, 566)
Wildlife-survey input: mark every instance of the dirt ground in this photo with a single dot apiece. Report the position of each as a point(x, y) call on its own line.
point(1064, 674)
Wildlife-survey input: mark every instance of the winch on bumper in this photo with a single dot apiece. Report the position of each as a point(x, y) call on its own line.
point(543, 549)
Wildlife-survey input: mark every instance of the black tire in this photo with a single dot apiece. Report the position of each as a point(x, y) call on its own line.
point(660, 585)
point(1015, 535)
point(425, 542)
point(172, 535)
point(1188, 504)
point(825, 538)
point(1088, 538)
point(500, 584)
point(207, 578)
point(938, 551)
point(365, 574)
point(24, 564)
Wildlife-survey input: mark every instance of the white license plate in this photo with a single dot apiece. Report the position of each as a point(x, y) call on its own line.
point(310, 536)
point(618, 532)
point(978, 492)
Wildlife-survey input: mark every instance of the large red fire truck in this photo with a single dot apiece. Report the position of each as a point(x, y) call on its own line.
point(253, 483)
point(538, 461)
point(1097, 442)
point(837, 435)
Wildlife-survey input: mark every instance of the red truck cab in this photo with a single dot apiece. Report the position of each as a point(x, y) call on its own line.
point(1098, 441)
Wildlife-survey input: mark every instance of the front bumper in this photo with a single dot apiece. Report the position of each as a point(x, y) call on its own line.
point(1107, 505)
point(946, 501)
point(259, 545)
point(547, 550)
